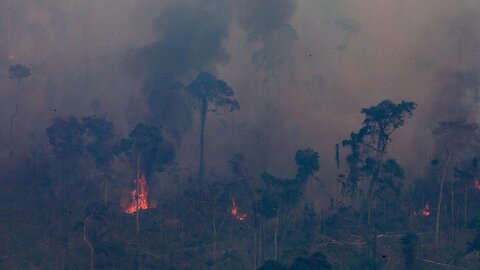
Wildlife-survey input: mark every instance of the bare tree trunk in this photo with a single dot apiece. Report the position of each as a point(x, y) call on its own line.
point(85, 238)
point(255, 246)
point(203, 117)
point(12, 120)
point(214, 244)
point(276, 234)
point(260, 246)
point(465, 206)
point(137, 212)
point(440, 195)
point(337, 163)
point(105, 192)
point(452, 220)
point(372, 184)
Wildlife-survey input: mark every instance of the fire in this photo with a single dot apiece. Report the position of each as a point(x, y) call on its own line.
point(426, 210)
point(234, 212)
point(476, 184)
point(140, 201)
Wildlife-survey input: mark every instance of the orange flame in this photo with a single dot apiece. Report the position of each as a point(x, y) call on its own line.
point(426, 210)
point(140, 201)
point(234, 212)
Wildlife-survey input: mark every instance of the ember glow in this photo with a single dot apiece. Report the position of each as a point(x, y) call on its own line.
point(140, 201)
point(234, 212)
point(426, 210)
point(476, 184)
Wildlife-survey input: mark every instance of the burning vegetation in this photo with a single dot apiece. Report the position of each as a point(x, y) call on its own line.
point(139, 196)
point(235, 213)
point(267, 161)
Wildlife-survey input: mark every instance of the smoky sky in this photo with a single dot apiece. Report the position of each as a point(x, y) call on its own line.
point(302, 70)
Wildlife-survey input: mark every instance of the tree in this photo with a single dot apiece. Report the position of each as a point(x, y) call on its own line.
point(100, 135)
point(272, 265)
point(213, 95)
point(316, 261)
point(282, 195)
point(66, 138)
point(17, 72)
point(454, 134)
point(307, 161)
point(147, 151)
point(145, 142)
point(409, 243)
point(370, 144)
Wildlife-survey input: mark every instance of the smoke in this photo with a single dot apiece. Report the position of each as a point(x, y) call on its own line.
point(189, 36)
point(323, 60)
point(268, 22)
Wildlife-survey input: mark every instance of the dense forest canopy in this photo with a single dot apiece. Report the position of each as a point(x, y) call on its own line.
point(263, 135)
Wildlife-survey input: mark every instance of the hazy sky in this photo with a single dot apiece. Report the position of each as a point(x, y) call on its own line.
point(302, 70)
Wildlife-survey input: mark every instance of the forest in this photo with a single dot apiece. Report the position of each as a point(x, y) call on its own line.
point(239, 135)
point(70, 207)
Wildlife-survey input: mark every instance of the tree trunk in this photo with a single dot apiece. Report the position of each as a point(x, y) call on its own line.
point(440, 196)
point(203, 117)
point(105, 192)
point(376, 173)
point(12, 120)
point(255, 245)
point(214, 244)
point(137, 212)
point(276, 235)
point(260, 246)
point(337, 163)
point(452, 218)
point(465, 206)
point(90, 246)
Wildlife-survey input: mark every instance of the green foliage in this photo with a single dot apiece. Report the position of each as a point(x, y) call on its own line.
point(316, 261)
point(409, 244)
point(18, 72)
point(145, 144)
point(383, 118)
point(367, 149)
point(286, 193)
point(208, 89)
point(307, 161)
point(474, 244)
point(66, 137)
point(100, 144)
point(272, 265)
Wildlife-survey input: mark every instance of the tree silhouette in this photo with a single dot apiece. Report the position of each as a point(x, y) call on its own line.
point(215, 96)
point(455, 135)
point(16, 72)
point(100, 135)
point(369, 145)
point(147, 151)
point(409, 244)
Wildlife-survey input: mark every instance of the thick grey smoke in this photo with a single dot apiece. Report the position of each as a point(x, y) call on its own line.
point(189, 36)
point(269, 22)
point(324, 60)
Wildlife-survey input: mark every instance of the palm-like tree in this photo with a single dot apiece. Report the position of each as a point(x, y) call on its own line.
point(17, 72)
point(214, 96)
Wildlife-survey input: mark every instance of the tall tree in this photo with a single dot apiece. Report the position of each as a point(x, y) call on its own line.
point(370, 144)
point(283, 195)
point(409, 244)
point(66, 138)
point(455, 136)
point(16, 72)
point(215, 96)
point(147, 151)
point(100, 138)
